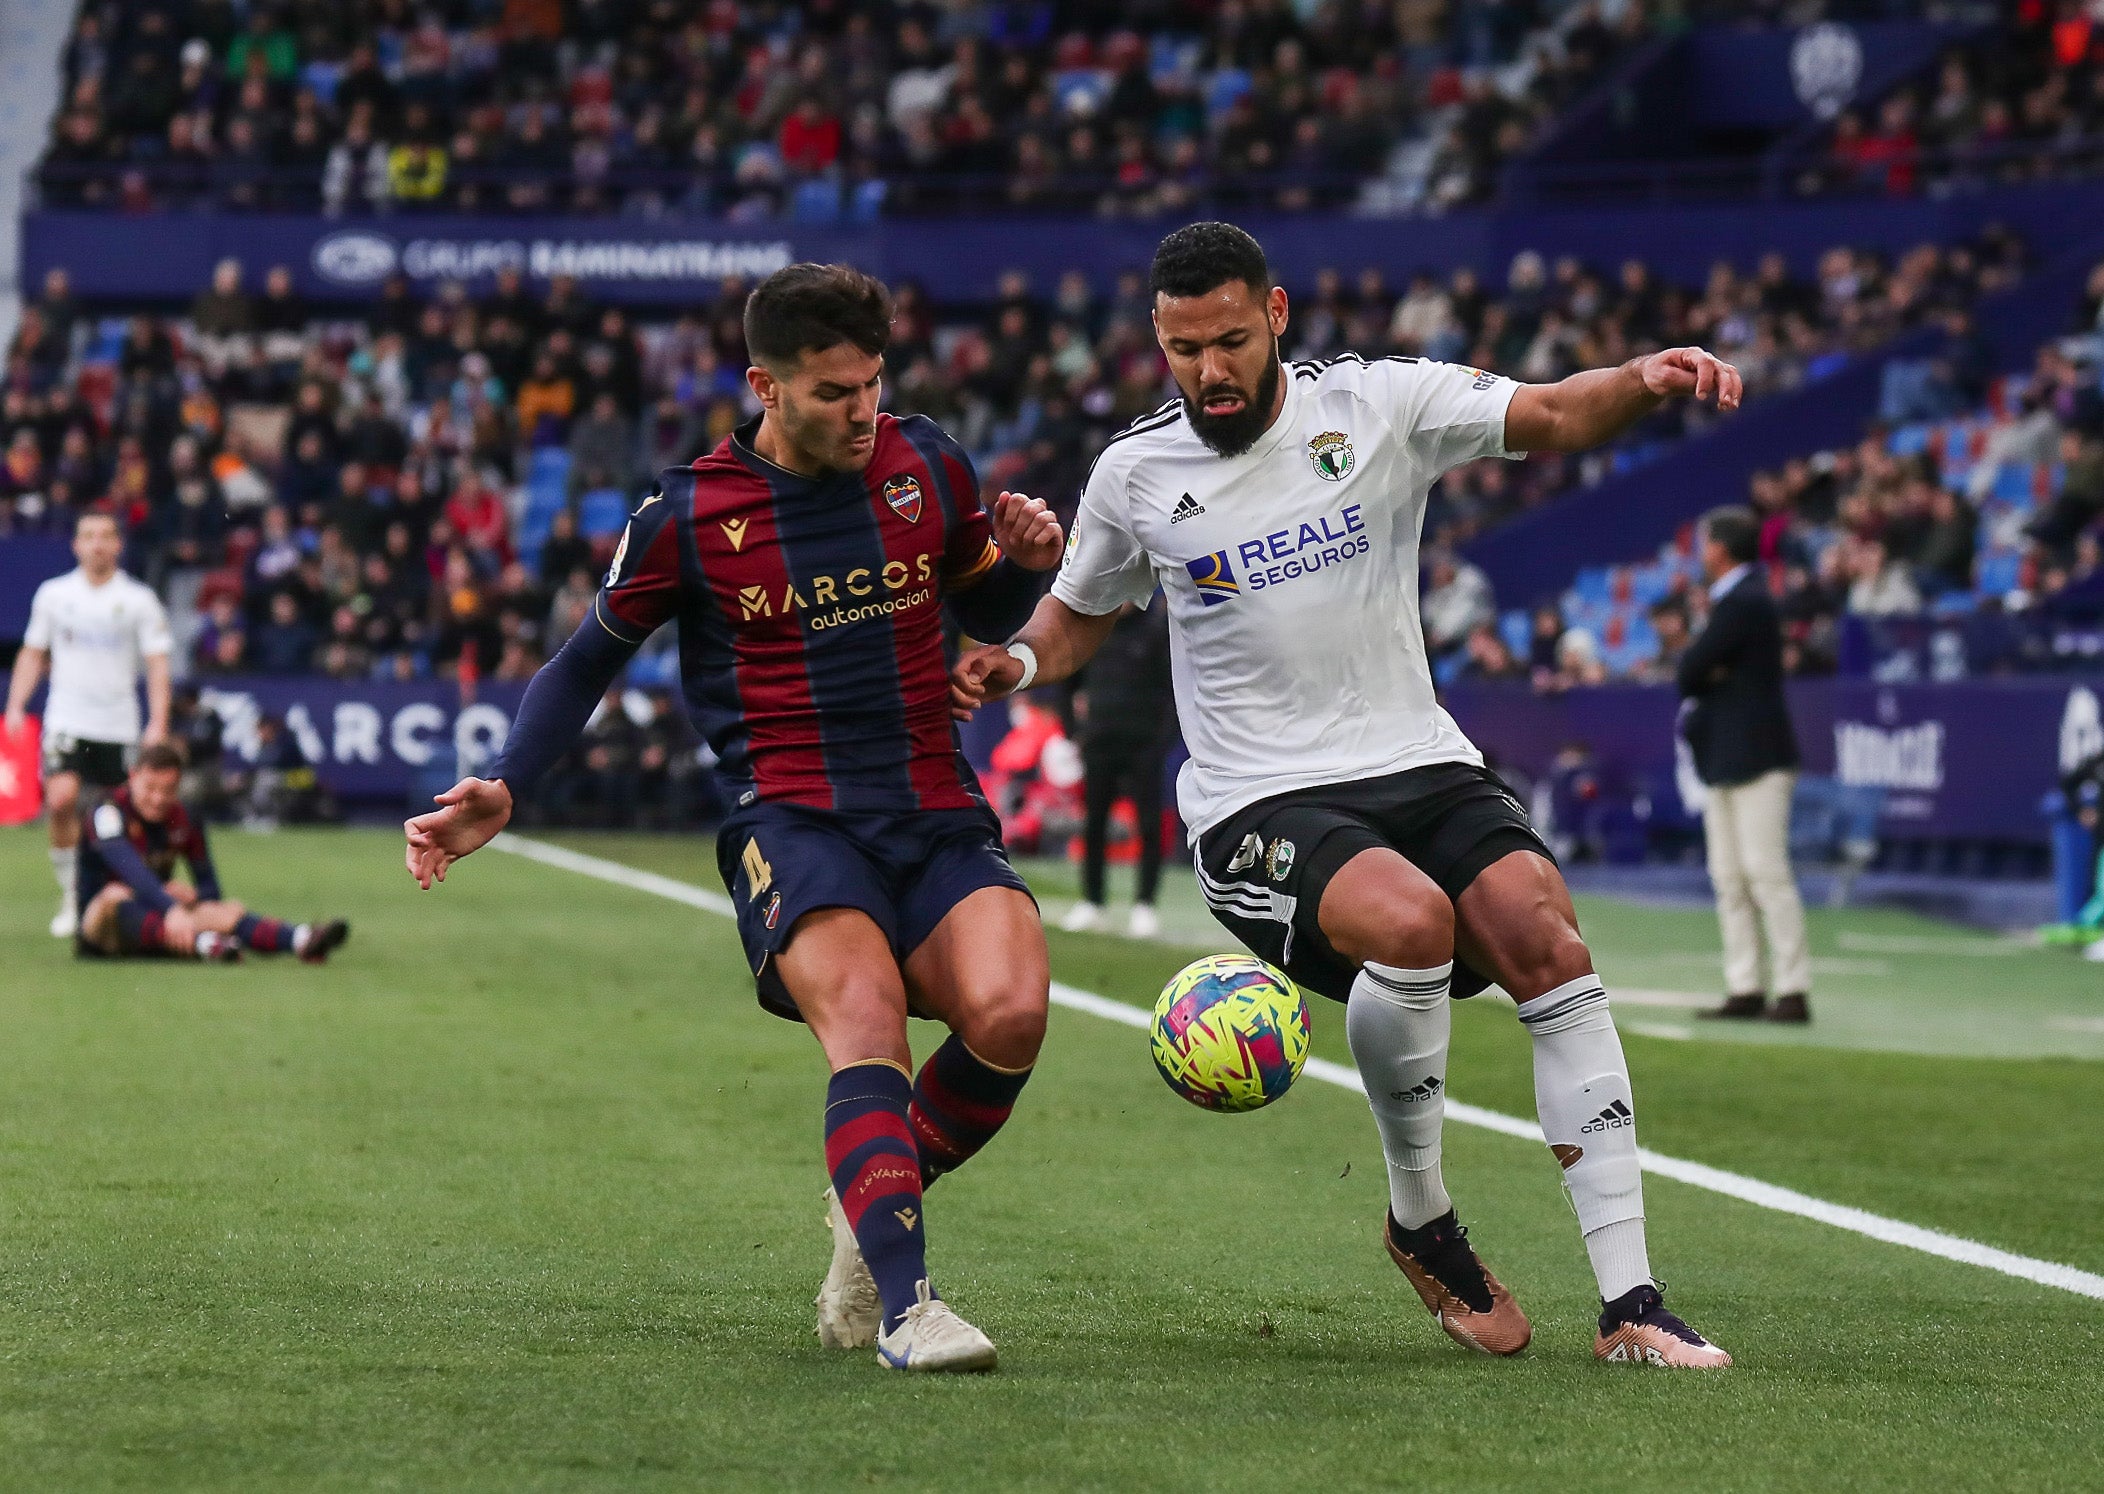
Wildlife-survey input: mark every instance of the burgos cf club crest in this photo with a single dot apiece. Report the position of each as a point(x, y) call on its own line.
point(904, 495)
point(1331, 453)
point(1214, 577)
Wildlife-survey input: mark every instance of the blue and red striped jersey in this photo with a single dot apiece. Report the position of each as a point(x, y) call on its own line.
point(810, 615)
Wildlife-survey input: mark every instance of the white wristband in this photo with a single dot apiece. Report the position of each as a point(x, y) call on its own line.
point(1028, 656)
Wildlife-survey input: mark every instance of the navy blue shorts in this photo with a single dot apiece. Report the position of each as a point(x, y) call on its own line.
point(906, 871)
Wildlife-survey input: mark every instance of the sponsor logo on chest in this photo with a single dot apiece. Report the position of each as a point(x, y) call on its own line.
point(835, 600)
point(1281, 556)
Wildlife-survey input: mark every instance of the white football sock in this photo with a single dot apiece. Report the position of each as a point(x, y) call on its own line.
point(1581, 1092)
point(65, 864)
point(1398, 1022)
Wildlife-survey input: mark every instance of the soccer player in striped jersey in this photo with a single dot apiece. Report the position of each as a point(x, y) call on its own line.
point(132, 904)
point(1346, 829)
point(808, 561)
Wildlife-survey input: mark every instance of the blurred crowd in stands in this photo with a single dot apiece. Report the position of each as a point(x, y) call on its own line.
point(433, 485)
point(1976, 506)
point(2023, 102)
point(815, 109)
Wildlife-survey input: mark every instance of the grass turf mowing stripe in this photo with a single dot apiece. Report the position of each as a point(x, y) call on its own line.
point(1695, 1174)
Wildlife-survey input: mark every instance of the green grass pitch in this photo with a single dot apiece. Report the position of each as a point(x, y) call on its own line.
point(522, 1193)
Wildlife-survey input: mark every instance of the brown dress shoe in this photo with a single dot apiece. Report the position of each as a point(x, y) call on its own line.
point(1790, 1009)
point(1740, 1009)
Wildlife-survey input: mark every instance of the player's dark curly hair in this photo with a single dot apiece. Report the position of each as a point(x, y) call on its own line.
point(808, 308)
point(1736, 528)
point(1205, 256)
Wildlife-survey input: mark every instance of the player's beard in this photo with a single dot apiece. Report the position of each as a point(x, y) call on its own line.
point(821, 448)
point(1231, 435)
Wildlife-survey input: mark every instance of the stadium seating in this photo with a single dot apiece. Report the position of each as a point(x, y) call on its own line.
point(2017, 565)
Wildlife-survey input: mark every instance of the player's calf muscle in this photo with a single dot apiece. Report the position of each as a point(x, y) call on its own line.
point(1517, 926)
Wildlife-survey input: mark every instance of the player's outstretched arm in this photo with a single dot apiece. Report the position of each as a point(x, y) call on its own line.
point(558, 703)
point(1586, 409)
point(1057, 637)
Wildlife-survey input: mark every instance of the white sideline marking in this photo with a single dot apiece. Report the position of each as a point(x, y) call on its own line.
point(1919, 944)
point(1695, 1174)
point(1657, 1030)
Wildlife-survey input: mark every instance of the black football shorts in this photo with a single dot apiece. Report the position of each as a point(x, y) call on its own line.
point(1263, 870)
point(102, 764)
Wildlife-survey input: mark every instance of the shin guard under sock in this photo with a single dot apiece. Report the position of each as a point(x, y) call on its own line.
point(876, 1175)
point(1398, 1023)
point(959, 1102)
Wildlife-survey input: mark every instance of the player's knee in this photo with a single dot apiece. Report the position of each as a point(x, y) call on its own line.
point(62, 795)
point(1006, 1026)
point(179, 928)
point(1410, 934)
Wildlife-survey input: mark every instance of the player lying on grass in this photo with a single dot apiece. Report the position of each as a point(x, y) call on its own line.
point(132, 903)
point(808, 560)
point(1346, 829)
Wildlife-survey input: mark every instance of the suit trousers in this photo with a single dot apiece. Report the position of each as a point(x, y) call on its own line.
point(1747, 826)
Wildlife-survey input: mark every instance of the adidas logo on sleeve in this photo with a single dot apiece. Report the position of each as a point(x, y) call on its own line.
point(1187, 507)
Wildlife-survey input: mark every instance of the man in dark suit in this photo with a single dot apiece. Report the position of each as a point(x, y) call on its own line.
point(1738, 725)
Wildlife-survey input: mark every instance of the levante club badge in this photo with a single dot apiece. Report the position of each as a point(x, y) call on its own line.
point(904, 496)
point(1331, 452)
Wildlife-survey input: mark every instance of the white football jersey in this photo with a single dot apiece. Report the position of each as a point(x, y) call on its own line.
point(97, 637)
point(1290, 573)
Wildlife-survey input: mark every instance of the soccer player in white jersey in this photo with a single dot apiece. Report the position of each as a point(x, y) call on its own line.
point(1347, 830)
point(98, 630)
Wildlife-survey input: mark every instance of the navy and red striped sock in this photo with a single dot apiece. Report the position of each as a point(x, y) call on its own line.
point(959, 1102)
point(139, 929)
point(264, 935)
point(876, 1174)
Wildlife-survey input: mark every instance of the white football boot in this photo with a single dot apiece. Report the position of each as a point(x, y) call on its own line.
point(931, 1337)
point(1145, 922)
point(849, 1310)
point(1083, 918)
point(66, 921)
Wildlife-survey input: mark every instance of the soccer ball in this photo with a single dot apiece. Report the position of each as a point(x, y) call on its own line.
point(1230, 1033)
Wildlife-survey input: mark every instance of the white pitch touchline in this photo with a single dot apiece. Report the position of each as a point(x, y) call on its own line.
point(1716, 1180)
point(1918, 944)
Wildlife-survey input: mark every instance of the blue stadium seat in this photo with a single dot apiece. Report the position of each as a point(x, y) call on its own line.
point(1227, 86)
point(1997, 573)
point(1172, 59)
point(866, 202)
point(2012, 484)
point(1517, 631)
point(1908, 440)
point(816, 202)
point(108, 341)
point(602, 511)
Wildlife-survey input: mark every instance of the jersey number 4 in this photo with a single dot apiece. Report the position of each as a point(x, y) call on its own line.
point(759, 876)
